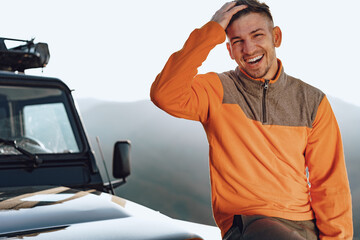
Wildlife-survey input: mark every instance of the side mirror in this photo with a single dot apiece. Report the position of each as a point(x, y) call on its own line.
point(121, 159)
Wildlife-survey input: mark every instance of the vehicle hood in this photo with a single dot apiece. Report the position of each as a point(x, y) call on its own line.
point(64, 213)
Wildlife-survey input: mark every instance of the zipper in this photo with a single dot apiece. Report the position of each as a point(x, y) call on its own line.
point(266, 86)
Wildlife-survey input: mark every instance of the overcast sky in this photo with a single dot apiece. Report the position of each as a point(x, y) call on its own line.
point(113, 49)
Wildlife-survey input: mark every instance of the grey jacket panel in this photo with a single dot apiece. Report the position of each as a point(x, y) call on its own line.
point(287, 101)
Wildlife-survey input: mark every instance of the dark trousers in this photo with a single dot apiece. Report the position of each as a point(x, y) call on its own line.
point(262, 227)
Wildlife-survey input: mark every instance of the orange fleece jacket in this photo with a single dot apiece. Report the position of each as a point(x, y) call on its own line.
point(260, 141)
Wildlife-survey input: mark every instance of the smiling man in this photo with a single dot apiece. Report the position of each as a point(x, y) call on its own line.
point(252, 42)
point(266, 130)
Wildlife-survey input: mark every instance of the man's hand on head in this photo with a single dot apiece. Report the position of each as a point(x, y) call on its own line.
point(225, 13)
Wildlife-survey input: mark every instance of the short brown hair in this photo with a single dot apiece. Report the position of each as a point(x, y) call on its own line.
point(254, 6)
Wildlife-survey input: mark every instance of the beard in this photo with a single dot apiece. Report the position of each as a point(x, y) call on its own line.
point(258, 73)
point(267, 65)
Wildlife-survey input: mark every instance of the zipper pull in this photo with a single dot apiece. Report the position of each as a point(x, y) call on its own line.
point(266, 84)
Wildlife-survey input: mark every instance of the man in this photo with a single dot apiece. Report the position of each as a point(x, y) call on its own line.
point(265, 129)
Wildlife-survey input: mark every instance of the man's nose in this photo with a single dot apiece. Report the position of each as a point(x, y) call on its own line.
point(248, 47)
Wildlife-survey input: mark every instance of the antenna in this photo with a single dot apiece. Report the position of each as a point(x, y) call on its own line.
point(107, 173)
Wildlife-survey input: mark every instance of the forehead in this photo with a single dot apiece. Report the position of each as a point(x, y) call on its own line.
point(248, 23)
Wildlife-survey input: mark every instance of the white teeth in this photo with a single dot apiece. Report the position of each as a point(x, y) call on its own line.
point(254, 59)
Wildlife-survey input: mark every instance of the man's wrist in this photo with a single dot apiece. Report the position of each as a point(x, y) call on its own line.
point(215, 29)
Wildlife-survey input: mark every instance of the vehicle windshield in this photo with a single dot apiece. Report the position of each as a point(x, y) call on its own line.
point(38, 120)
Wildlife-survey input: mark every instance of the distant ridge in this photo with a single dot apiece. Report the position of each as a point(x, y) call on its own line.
point(169, 164)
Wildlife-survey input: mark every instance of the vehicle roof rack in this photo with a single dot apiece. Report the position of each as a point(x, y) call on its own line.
point(24, 56)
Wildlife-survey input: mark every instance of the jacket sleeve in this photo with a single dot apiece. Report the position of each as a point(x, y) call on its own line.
point(178, 89)
point(330, 191)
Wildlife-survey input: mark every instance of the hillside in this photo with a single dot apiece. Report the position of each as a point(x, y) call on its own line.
point(169, 162)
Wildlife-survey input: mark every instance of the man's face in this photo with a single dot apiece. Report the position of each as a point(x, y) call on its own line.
point(252, 42)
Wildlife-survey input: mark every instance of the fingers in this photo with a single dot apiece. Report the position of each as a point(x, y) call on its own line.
point(225, 13)
point(227, 6)
point(236, 9)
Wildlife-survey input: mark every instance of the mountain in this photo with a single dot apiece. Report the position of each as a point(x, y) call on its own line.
point(170, 171)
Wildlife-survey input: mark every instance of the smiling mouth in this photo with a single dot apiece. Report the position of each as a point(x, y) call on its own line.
point(254, 60)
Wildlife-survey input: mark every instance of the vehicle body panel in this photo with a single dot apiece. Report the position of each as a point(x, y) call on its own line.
point(63, 213)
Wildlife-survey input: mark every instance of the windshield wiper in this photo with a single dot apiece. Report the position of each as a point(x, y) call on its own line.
point(34, 159)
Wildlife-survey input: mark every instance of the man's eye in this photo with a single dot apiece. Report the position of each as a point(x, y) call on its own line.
point(236, 42)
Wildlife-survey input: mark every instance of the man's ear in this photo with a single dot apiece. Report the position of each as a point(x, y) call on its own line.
point(230, 50)
point(277, 36)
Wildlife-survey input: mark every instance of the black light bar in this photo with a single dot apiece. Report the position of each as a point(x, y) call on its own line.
point(25, 56)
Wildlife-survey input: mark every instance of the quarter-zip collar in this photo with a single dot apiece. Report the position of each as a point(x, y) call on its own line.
point(255, 86)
